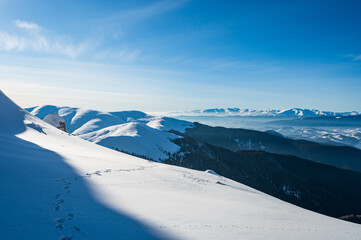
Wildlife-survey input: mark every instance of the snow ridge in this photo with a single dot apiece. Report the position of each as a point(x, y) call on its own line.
point(127, 131)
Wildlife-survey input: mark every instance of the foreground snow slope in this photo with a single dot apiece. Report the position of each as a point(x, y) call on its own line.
point(56, 186)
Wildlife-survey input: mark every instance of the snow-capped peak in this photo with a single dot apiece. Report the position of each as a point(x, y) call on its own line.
point(293, 112)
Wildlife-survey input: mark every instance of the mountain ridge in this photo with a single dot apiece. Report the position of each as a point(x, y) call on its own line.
point(119, 130)
point(293, 112)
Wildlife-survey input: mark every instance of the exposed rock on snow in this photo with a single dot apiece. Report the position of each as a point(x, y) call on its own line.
point(55, 120)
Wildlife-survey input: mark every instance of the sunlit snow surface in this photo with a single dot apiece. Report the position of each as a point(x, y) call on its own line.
point(57, 186)
point(129, 131)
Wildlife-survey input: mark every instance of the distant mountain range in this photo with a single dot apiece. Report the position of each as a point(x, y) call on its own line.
point(294, 112)
point(327, 121)
point(152, 137)
point(336, 128)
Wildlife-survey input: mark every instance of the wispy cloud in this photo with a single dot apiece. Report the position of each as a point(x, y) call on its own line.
point(10, 42)
point(354, 57)
point(35, 40)
point(124, 55)
point(156, 8)
point(26, 25)
point(114, 26)
point(29, 36)
point(116, 22)
point(129, 55)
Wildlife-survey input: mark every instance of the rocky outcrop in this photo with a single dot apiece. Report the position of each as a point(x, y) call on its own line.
point(55, 120)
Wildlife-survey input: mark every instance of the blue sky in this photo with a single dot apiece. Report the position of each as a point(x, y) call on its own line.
point(182, 54)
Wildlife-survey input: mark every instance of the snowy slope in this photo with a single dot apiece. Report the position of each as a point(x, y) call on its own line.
point(81, 121)
point(166, 124)
point(135, 137)
point(57, 186)
point(130, 131)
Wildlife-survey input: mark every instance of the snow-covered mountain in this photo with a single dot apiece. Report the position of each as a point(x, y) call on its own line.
point(294, 112)
point(128, 131)
point(58, 186)
point(135, 137)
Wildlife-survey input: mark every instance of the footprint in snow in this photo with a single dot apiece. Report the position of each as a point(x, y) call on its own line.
point(59, 226)
point(75, 228)
point(68, 237)
point(57, 208)
point(59, 220)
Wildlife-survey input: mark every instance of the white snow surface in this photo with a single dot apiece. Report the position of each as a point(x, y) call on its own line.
point(58, 186)
point(135, 137)
point(130, 131)
point(166, 124)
